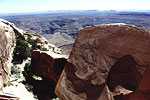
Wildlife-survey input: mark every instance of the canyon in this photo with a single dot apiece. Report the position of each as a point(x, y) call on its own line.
point(107, 62)
point(67, 24)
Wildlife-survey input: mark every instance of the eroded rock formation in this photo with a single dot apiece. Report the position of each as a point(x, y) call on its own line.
point(46, 65)
point(7, 43)
point(49, 66)
point(98, 54)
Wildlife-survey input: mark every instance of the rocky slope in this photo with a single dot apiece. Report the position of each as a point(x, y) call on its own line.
point(113, 61)
point(16, 47)
point(7, 44)
point(8, 34)
point(59, 39)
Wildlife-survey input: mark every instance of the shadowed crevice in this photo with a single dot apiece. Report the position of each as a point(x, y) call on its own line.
point(124, 72)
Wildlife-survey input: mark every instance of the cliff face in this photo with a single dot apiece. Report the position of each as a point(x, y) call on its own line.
point(7, 43)
point(105, 60)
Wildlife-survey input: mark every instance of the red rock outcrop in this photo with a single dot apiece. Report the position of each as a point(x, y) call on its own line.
point(45, 65)
point(124, 72)
point(143, 91)
point(7, 43)
point(96, 50)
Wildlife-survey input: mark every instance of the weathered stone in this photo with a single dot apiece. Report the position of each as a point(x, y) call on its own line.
point(47, 66)
point(119, 90)
point(7, 43)
point(95, 51)
point(106, 94)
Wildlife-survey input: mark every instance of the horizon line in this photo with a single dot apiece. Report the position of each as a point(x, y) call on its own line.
point(48, 11)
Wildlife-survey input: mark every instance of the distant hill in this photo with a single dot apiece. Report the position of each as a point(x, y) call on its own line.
point(70, 22)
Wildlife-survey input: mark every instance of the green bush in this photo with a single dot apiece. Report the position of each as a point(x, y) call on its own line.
point(7, 84)
point(27, 72)
point(28, 76)
point(32, 42)
point(44, 49)
point(22, 50)
point(35, 96)
point(29, 87)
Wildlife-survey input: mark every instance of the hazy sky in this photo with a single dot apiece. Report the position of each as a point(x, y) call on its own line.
point(13, 6)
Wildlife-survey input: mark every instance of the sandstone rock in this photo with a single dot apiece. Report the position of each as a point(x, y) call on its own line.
point(7, 43)
point(124, 72)
point(119, 90)
point(106, 94)
point(46, 65)
point(95, 51)
point(143, 90)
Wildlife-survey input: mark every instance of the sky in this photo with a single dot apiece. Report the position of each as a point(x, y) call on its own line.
point(21, 6)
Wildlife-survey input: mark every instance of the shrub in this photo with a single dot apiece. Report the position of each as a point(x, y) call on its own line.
point(29, 87)
point(44, 49)
point(28, 76)
point(27, 72)
point(20, 37)
point(22, 50)
point(7, 84)
point(32, 42)
point(35, 96)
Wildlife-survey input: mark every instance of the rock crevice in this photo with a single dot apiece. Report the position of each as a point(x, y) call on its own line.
point(124, 72)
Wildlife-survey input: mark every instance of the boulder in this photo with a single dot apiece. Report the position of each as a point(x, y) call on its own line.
point(96, 50)
point(46, 65)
